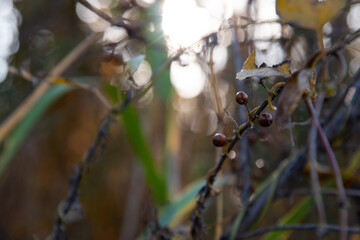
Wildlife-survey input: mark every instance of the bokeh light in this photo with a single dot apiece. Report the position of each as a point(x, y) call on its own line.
point(188, 79)
point(9, 19)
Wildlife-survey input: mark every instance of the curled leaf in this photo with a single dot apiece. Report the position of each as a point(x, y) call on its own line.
point(292, 93)
point(250, 70)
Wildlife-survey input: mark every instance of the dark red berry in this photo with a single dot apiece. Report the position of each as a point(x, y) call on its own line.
point(219, 140)
point(241, 97)
point(265, 119)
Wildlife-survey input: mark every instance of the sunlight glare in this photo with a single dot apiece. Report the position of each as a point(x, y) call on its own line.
point(184, 23)
point(353, 17)
point(188, 80)
point(9, 19)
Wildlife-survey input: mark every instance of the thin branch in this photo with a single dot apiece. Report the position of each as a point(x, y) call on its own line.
point(324, 191)
point(339, 182)
point(131, 29)
point(72, 199)
point(7, 126)
point(311, 227)
point(198, 225)
point(315, 184)
point(23, 73)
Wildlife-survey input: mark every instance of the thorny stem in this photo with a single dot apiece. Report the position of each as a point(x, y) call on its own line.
point(71, 200)
point(310, 226)
point(343, 221)
point(198, 224)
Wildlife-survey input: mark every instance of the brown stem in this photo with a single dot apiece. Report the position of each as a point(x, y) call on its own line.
point(25, 107)
point(343, 221)
point(315, 184)
point(310, 227)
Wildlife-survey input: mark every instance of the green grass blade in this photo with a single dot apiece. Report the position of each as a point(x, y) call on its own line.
point(142, 150)
point(17, 136)
point(183, 204)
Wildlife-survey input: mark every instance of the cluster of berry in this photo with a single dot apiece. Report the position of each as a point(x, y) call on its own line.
point(265, 120)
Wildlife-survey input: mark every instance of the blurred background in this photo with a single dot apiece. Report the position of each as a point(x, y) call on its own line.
point(206, 43)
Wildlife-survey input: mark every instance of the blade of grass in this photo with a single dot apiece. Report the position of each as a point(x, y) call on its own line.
point(18, 134)
point(142, 150)
point(184, 202)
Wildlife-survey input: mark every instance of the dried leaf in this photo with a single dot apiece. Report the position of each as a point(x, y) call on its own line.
point(283, 67)
point(279, 70)
point(250, 62)
point(260, 73)
point(311, 14)
point(291, 95)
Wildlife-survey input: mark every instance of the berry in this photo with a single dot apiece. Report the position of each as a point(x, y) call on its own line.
point(242, 98)
point(265, 120)
point(219, 140)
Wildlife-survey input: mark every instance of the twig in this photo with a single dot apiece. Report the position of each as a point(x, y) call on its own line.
point(315, 184)
point(198, 225)
point(324, 191)
point(25, 107)
point(339, 183)
point(94, 150)
point(131, 29)
point(22, 73)
point(310, 226)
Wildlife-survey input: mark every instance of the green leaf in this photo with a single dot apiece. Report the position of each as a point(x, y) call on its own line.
point(141, 148)
point(183, 204)
point(156, 52)
point(17, 136)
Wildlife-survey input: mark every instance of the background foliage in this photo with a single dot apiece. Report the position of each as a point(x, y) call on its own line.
point(108, 115)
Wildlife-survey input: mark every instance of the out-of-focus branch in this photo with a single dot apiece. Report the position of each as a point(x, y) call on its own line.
point(343, 220)
point(131, 28)
point(72, 199)
point(315, 184)
point(62, 66)
point(309, 227)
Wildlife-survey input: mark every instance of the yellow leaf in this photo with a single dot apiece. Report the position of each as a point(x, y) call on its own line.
point(250, 62)
point(250, 70)
point(61, 80)
point(283, 67)
point(311, 14)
